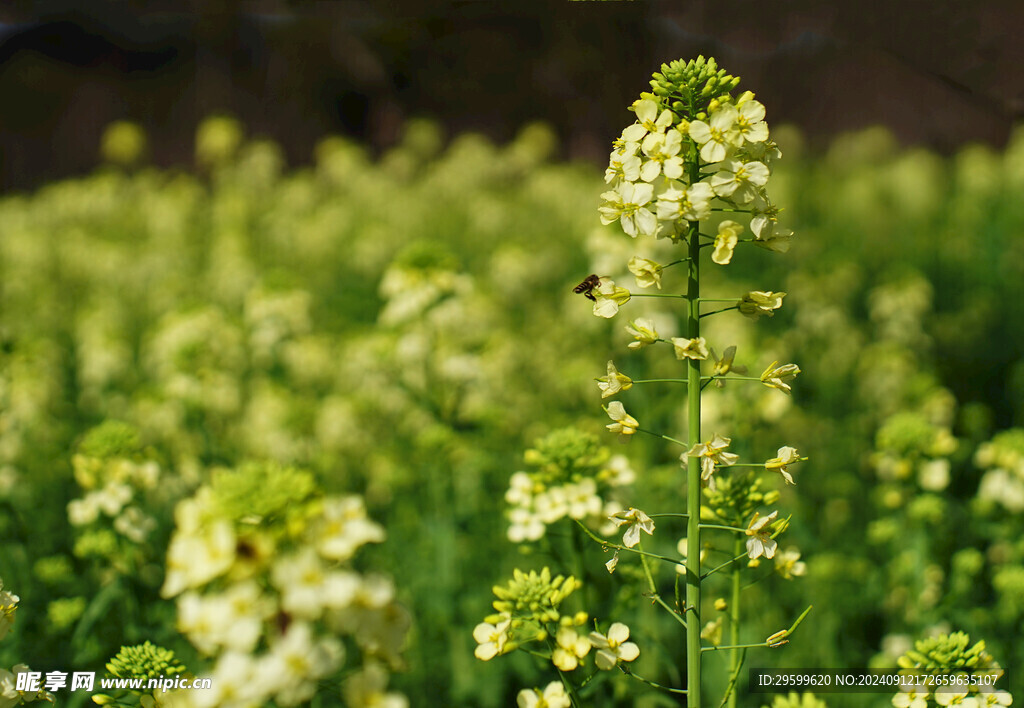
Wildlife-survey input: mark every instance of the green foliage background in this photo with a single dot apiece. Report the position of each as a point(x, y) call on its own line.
point(238, 314)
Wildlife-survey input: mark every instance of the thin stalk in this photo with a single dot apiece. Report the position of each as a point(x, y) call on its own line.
point(693, 578)
point(728, 562)
point(640, 381)
point(736, 659)
point(663, 437)
point(654, 590)
point(718, 312)
point(652, 683)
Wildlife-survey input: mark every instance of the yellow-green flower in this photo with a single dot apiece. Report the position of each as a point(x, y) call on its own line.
point(786, 456)
point(760, 544)
point(607, 298)
point(643, 332)
point(491, 638)
point(724, 365)
point(613, 647)
point(635, 521)
point(696, 348)
point(711, 453)
point(757, 303)
point(777, 376)
point(613, 382)
point(625, 424)
point(728, 236)
point(571, 647)
point(647, 272)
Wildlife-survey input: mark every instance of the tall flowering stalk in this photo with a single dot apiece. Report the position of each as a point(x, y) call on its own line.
point(694, 151)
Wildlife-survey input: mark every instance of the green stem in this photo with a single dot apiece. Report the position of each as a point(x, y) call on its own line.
point(726, 528)
point(619, 547)
point(654, 590)
point(632, 294)
point(736, 660)
point(736, 646)
point(717, 312)
point(730, 690)
point(693, 577)
point(651, 683)
point(663, 437)
point(640, 381)
point(728, 562)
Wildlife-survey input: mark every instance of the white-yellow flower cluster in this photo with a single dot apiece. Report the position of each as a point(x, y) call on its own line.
point(651, 189)
point(269, 598)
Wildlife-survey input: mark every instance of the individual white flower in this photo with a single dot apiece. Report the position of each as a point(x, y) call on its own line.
point(582, 499)
point(739, 181)
point(627, 205)
point(623, 164)
point(662, 151)
point(647, 272)
point(520, 489)
point(369, 688)
point(84, 511)
point(134, 524)
point(552, 504)
point(711, 453)
point(718, 135)
point(789, 565)
point(235, 681)
point(635, 521)
point(625, 424)
point(296, 662)
point(712, 632)
point(570, 648)
point(951, 696)
point(643, 331)
point(614, 382)
point(612, 562)
point(760, 544)
point(617, 472)
point(911, 696)
point(613, 647)
point(728, 236)
point(750, 120)
point(607, 298)
point(648, 120)
point(755, 303)
point(526, 525)
point(301, 579)
point(696, 348)
point(786, 456)
point(344, 527)
point(776, 376)
point(680, 201)
point(491, 638)
point(988, 696)
point(553, 697)
point(194, 559)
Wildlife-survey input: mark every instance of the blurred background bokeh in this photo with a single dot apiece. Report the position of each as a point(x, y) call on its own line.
point(343, 236)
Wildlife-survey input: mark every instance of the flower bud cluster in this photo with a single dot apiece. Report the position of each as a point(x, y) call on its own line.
point(572, 476)
point(120, 481)
point(946, 655)
point(260, 565)
point(1002, 458)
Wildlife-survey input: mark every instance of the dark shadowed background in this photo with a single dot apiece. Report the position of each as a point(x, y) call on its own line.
point(938, 74)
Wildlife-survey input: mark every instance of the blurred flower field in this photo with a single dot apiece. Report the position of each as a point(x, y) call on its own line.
point(267, 419)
